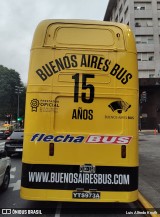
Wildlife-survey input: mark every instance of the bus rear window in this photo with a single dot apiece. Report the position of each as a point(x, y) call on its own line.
point(84, 37)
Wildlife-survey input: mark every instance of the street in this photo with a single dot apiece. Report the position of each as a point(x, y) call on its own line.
point(11, 198)
point(149, 172)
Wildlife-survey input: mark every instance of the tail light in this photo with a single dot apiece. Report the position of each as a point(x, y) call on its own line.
point(123, 151)
point(51, 149)
point(8, 138)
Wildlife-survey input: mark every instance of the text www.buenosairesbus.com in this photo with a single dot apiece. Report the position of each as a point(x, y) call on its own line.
point(79, 178)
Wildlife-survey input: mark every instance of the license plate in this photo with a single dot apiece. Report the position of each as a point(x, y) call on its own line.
point(86, 195)
point(19, 149)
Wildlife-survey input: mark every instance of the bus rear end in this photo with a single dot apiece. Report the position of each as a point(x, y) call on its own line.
point(81, 120)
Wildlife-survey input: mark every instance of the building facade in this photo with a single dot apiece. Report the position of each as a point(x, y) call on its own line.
point(143, 17)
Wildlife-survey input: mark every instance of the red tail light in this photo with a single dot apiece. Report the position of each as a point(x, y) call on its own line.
point(123, 151)
point(51, 149)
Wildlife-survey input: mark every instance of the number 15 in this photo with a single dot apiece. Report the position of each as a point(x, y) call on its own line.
point(85, 86)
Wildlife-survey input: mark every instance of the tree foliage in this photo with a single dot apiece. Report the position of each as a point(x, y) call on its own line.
point(9, 80)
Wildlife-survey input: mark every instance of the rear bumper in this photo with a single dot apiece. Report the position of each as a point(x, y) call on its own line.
point(59, 182)
point(66, 195)
point(14, 149)
point(3, 137)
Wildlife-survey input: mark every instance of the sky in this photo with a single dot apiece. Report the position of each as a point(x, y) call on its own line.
point(19, 18)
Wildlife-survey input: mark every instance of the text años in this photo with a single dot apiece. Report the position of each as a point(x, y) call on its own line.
point(82, 114)
point(91, 61)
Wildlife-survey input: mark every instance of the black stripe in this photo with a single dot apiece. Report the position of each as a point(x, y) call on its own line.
point(131, 172)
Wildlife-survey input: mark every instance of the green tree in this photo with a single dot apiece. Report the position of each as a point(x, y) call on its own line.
point(9, 80)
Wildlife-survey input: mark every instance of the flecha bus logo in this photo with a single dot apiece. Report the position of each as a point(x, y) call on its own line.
point(108, 139)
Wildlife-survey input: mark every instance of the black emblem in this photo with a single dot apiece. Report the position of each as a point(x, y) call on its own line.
point(34, 104)
point(119, 106)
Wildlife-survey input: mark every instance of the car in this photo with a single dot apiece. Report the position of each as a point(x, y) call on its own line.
point(5, 166)
point(5, 131)
point(14, 143)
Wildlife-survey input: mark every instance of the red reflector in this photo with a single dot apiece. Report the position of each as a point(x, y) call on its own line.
point(123, 151)
point(51, 149)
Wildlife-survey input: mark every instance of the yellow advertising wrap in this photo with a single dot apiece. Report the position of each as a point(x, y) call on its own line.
point(81, 119)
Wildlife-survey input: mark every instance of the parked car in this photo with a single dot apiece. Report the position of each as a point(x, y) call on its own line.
point(5, 131)
point(14, 143)
point(5, 166)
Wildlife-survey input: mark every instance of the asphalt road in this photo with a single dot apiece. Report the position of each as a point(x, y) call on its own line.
point(149, 171)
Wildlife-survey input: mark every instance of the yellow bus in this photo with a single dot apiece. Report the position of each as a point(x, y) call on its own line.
point(81, 119)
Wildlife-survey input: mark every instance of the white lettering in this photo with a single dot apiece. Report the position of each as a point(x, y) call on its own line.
point(82, 178)
point(93, 139)
point(108, 139)
point(123, 140)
